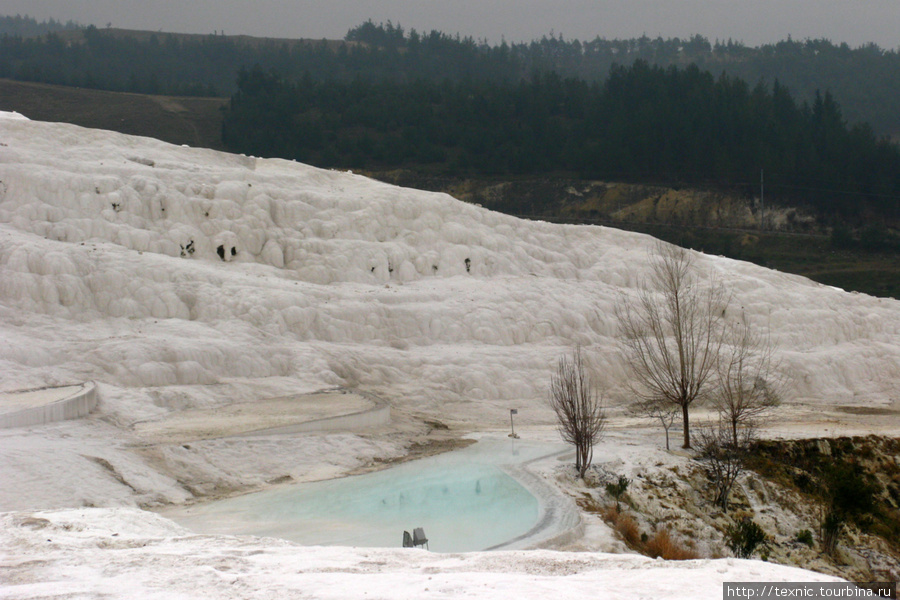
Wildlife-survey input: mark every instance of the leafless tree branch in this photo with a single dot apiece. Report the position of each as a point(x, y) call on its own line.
point(723, 459)
point(672, 332)
point(580, 417)
point(658, 410)
point(748, 383)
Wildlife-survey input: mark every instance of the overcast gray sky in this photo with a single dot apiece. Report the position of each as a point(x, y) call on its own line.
point(752, 21)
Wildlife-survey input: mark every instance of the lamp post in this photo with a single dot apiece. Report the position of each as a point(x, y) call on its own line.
point(512, 427)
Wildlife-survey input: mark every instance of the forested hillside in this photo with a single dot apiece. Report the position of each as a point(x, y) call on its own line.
point(25, 26)
point(865, 81)
point(643, 124)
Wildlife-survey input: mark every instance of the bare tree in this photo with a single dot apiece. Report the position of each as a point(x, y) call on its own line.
point(580, 417)
point(672, 332)
point(658, 410)
point(723, 459)
point(748, 383)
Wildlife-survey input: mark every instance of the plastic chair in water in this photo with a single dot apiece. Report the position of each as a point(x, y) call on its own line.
point(419, 538)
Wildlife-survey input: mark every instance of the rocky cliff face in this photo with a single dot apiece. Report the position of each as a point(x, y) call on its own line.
point(614, 203)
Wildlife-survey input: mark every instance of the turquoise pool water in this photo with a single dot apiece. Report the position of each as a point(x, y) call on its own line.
point(464, 501)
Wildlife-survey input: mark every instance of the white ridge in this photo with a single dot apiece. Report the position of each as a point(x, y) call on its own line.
point(184, 279)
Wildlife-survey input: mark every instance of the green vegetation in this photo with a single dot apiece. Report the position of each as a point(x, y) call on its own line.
point(805, 536)
point(643, 124)
point(854, 479)
point(863, 80)
point(811, 255)
point(849, 495)
point(617, 490)
point(26, 26)
point(744, 537)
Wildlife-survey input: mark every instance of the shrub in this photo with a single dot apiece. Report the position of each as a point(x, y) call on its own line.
point(616, 490)
point(803, 481)
point(830, 530)
point(850, 496)
point(849, 491)
point(722, 458)
point(609, 514)
point(661, 545)
point(805, 537)
point(628, 530)
point(744, 537)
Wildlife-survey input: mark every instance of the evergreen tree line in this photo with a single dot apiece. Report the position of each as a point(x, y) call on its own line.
point(29, 27)
point(865, 80)
point(643, 123)
point(161, 64)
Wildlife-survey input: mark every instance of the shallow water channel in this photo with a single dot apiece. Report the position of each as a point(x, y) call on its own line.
point(465, 500)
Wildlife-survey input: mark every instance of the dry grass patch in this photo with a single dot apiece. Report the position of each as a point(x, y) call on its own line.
point(624, 524)
point(661, 545)
point(628, 530)
point(609, 514)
